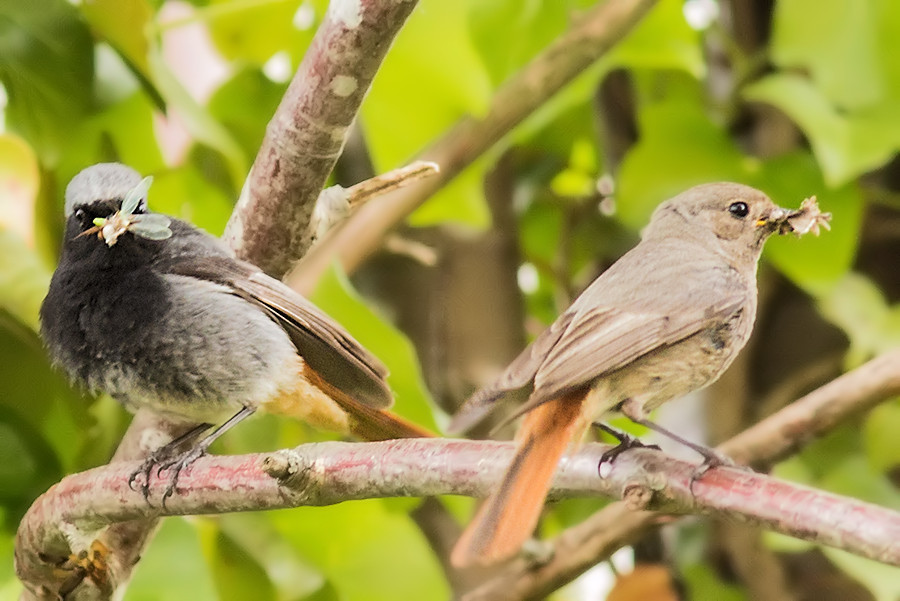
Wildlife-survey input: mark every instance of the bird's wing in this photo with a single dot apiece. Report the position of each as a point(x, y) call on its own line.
point(518, 374)
point(325, 346)
point(601, 339)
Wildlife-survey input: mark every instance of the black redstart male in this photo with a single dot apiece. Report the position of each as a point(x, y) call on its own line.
point(667, 318)
point(159, 314)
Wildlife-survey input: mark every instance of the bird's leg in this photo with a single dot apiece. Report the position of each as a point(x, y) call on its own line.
point(711, 457)
point(626, 441)
point(163, 453)
point(177, 463)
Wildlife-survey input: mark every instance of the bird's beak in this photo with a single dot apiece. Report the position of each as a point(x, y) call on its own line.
point(776, 217)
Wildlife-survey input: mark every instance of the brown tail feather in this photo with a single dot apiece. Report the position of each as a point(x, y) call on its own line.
point(368, 423)
point(508, 517)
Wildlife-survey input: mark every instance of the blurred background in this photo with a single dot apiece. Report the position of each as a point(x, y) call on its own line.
point(795, 97)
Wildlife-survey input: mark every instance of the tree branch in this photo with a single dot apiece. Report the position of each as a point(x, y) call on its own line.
point(583, 546)
point(73, 511)
point(560, 63)
point(270, 224)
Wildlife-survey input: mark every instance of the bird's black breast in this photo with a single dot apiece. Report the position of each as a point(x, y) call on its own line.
point(98, 301)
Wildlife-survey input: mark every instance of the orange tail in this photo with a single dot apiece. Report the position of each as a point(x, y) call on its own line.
point(508, 517)
point(368, 423)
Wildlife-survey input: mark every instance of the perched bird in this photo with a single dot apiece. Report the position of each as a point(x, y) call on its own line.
point(159, 314)
point(664, 320)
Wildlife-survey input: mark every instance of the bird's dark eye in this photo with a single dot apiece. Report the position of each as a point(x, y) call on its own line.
point(79, 214)
point(738, 209)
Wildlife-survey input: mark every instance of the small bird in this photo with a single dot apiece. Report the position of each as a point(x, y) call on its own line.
point(664, 320)
point(159, 314)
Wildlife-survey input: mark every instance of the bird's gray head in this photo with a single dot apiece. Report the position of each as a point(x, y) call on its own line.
point(723, 211)
point(103, 182)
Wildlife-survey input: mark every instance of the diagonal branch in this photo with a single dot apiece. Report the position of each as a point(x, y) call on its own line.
point(306, 135)
point(546, 74)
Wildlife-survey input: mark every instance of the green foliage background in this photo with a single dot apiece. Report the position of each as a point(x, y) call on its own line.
point(84, 82)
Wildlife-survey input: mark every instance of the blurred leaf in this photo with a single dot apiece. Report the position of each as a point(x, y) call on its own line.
point(47, 68)
point(460, 201)
point(124, 25)
point(449, 80)
point(293, 577)
point(812, 263)
point(245, 104)
point(528, 27)
point(24, 279)
point(183, 193)
point(173, 567)
point(121, 132)
point(367, 552)
point(857, 306)
point(702, 582)
point(234, 571)
point(837, 41)
point(335, 295)
point(662, 40)
point(198, 121)
point(679, 147)
point(845, 144)
point(880, 436)
point(19, 183)
point(253, 31)
point(881, 579)
point(854, 476)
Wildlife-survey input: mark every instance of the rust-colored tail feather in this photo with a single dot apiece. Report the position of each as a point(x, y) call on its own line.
point(368, 423)
point(508, 517)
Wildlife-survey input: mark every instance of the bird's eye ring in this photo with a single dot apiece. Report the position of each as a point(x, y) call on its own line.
point(739, 209)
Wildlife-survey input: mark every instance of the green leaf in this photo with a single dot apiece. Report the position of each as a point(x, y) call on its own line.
point(245, 104)
point(663, 40)
point(47, 68)
point(124, 24)
point(176, 553)
point(880, 436)
point(450, 81)
point(812, 263)
point(679, 147)
point(845, 144)
point(335, 295)
point(460, 201)
point(198, 121)
point(837, 41)
point(253, 31)
point(366, 551)
point(857, 306)
point(24, 279)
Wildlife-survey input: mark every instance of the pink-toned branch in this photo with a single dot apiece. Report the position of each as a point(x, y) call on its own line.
point(270, 225)
point(73, 512)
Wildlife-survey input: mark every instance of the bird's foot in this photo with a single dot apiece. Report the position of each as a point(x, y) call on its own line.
point(626, 442)
point(162, 457)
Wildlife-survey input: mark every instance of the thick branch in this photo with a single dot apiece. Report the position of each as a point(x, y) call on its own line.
point(567, 57)
point(583, 546)
point(326, 473)
point(269, 226)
